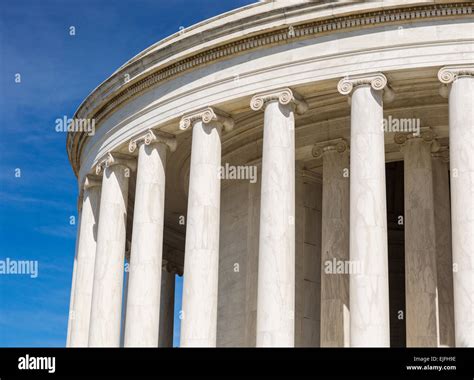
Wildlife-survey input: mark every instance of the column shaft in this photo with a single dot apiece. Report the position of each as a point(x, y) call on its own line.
point(86, 250)
point(276, 266)
point(420, 249)
point(110, 256)
point(143, 302)
point(461, 151)
point(369, 304)
point(166, 309)
point(335, 248)
point(444, 260)
point(71, 297)
point(199, 322)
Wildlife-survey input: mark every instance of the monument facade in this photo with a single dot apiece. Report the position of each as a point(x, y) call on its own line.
point(306, 166)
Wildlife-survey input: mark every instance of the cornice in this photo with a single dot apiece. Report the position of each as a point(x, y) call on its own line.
point(327, 25)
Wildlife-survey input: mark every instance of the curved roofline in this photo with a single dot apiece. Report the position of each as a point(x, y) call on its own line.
point(221, 20)
point(191, 28)
point(209, 35)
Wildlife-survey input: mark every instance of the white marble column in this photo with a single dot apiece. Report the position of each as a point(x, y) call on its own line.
point(106, 308)
point(276, 266)
point(167, 306)
point(71, 296)
point(199, 317)
point(143, 300)
point(444, 258)
point(335, 322)
point(369, 303)
point(421, 293)
point(85, 257)
point(460, 82)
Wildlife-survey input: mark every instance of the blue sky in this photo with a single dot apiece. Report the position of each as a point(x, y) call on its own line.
point(57, 72)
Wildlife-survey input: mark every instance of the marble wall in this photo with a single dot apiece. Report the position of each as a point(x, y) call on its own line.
point(238, 263)
point(308, 262)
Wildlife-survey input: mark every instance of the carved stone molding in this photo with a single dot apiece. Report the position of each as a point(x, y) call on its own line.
point(207, 115)
point(338, 145)
point(426, 134)
point(149, 137)
point(90, 182)
point(377, 81)
point(448, 74)
point(307, 30)
point(283, 95)
point(112, 159)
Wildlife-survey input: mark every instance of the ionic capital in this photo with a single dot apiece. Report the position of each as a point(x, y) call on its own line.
point(337, 145)
point(150, 137)
point(448, 74)
point(377, 81)
point(112, 159)
point(426, 134)
point(283, 96)
point(442, 154)
point(92, 181)
point(207, 115)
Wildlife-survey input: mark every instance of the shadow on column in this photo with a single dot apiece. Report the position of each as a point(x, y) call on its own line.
point(396, 252)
